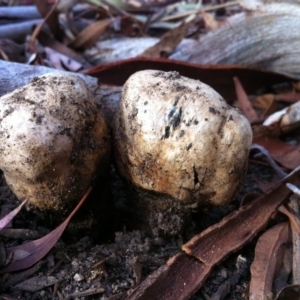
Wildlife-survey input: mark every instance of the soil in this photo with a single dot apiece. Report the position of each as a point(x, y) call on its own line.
point(104, 258)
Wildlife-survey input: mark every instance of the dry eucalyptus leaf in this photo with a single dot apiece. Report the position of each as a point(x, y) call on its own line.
point(266, 38)
point(263, 267)
point(37, 283)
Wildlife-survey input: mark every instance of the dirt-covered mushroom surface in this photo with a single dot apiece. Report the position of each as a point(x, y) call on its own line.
point(54, 140)
point(178, 143)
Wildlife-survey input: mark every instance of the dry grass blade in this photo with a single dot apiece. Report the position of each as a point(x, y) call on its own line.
point(264, 264)
point(26, 255)
point(4, 221)
point(88, 36)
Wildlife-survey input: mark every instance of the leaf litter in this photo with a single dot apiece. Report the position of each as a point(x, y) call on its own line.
point(195, 261)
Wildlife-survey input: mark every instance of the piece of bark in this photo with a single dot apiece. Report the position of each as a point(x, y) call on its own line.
point(265, 38)
point(184, 274)
point(180, 278)
point(264, 264)
point(15, 75)
point(238, 227)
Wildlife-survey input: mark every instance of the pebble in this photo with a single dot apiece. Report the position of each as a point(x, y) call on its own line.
point(78, 277)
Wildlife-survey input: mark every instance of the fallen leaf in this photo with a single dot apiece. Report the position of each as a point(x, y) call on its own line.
point(291, 292)
point(88, 36)
point(264, 264)
point(265, 156)
point(18, 277)
point(210, 22)
point(244, 102)
point(284, 273)
point(26, 255)
point(263, 101)
point(287, 155)
point(36, 283)
point(266, 186)
point(5, 221)
point(288, 97)
point(168, 42)
point(52, 19)
point(62, 62)
point(218, 77)
point(294, 207)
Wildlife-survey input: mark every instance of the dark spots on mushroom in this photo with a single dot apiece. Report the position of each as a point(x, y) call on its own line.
point(181, 134)
point(230, 118)
point(196, 176)
point(174, 117)
point(146, 102)
point(196, 122)
point(176, 101)
point(213, 110)
point(167, 132)
point(145, 111)
point(205, 119)
point(134, 113)
point(189, 146)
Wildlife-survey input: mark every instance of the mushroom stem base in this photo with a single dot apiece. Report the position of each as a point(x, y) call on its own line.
point(158, 214)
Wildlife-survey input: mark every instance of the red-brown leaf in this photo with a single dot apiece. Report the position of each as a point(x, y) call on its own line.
point(264, 264)
point(287, 155)
point(245, 104)
point(26, 255)
point(5, 220)
point(218, 77)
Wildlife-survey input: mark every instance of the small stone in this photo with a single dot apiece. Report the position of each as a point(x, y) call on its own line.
point(78, 277)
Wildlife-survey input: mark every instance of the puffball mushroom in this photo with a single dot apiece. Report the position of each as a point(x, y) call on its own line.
point(180, 145)
point(54, 140)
